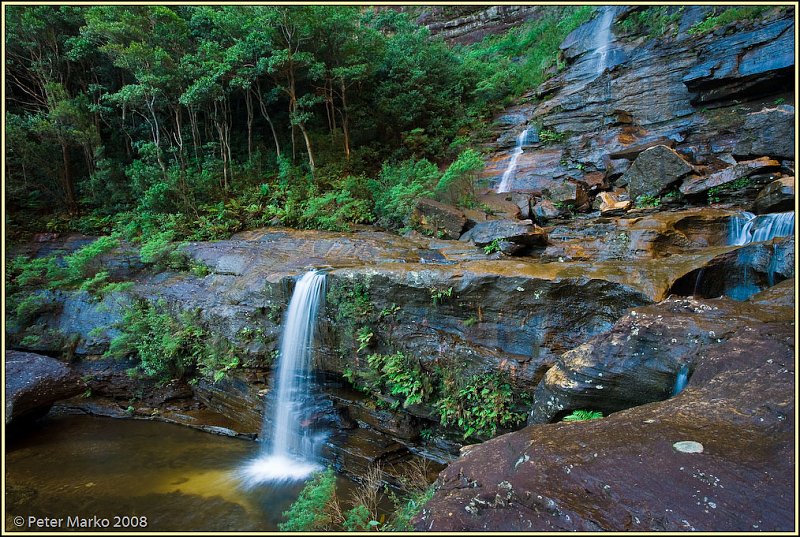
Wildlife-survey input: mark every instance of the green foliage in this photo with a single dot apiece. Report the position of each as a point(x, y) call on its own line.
point(547, 136)
point(779, 101)
point(311, 510)
point(717, 18)
point(583, 415)
point(364, 337)
point(438, 294)
point(492, 247)
point(401, 376)
point(409, 509)
point(397, 189)
point(715, 193)
point(458, 181)
point(648, 200)
point(508, 65)
point(170, 347)
point(478, 405)
point(653, 22)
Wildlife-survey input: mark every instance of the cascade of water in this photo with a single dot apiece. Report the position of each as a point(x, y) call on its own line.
point(505, 182)
point(289, 450)
point(602, 41)
point(681, 380)
point(747, 227)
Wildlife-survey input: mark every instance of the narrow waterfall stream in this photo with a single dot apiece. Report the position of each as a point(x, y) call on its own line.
point(747, 227)
point(508, 175)
point(602, 41)
point(290, 449)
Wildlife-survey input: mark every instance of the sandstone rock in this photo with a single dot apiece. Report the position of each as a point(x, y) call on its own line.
point(632, 152)
point(653, 171)
point(444, 221)
point(545, 210)
point(777, 196)
point(697, 185)
point(622, 473)
point(34, 382)
point(768, 132)
point(610, 204)
point(742, 63)
point(637, 362)
point(522, 232)
point(741, 273)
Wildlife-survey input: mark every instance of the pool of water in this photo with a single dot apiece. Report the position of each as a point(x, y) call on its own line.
point(177, 478)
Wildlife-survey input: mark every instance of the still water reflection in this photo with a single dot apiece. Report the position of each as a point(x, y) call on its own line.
point(176, 477)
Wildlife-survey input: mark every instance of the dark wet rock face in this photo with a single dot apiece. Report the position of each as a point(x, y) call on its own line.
point(768, 132)
point(522, 233)
point(34, 382)
point(776, 197)
point(641, 469)
point(439, 219)
point(638, 361)
point(653, 171)
point(696, 185)
point(741, 273)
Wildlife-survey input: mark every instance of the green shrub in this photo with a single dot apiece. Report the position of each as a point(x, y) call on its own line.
point(652, 21)
point(492, 247)
point(715, 193)
point(458, 181)
point(715, 18)
point(312, 509)
point(479, 405)
point(547, 136)
point(398, 188)
point(400, 376)
point(647, 200)
point(583, 415)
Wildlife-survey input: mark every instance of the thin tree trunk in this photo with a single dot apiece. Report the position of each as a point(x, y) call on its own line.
point(263, 106)
point(249, 103)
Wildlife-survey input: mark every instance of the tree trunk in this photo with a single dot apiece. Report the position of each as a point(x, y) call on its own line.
point(248, 100)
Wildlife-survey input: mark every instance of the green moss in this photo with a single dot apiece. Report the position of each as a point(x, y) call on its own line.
point(652, 22)
point(717, 18)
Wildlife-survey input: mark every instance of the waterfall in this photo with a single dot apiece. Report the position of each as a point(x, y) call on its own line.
point(602, 41)
point(505, 182)
point(747, 227)
point(289, 450)
point(681, 380)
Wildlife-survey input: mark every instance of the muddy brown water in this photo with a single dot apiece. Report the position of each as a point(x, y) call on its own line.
point(86, 470)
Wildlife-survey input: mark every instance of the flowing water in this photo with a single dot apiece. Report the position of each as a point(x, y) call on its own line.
point(747, 227)
point(178, 478)
point(508, 175)
point(290, 449)
point(602, 41)
point(681, 379)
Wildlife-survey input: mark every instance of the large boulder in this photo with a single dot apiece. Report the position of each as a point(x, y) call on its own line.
point(778, 196)
point(34, 382)
point(767, 132)
point(444, 221)
point(653, 171)
point(717, 457)
point(741, 273)
point(521, 232)
point(638, 361)
point(697, 185)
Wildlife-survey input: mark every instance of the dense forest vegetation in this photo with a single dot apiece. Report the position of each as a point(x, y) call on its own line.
point(193, 122)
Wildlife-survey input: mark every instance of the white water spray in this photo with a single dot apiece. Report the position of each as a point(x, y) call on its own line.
point(602, 41)
point(508, 175)
point(747, 227)
point(289, 451)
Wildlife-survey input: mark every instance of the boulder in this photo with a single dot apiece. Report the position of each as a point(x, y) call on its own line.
point(522, 232)
point(653, 171)
point(444, 221)
point(34, 382)
point(697, 185)
point(717, 457)
point(778, 196)
point(611, 205)
point(638, 361)
point(632, 152)
point(767, 132)
point(545, 210)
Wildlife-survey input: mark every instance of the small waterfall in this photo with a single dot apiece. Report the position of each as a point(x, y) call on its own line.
point(602, 41)
point(289, 451)
point(508, 175)
point(747, 227)
point(681, 380)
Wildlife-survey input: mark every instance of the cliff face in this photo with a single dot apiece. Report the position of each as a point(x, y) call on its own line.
point(623, 92)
